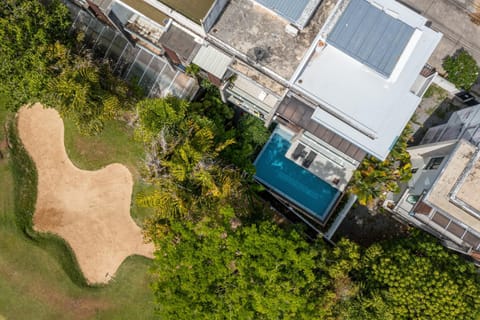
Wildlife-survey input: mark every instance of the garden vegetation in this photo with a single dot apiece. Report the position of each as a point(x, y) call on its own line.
point(374, 178)
point(219, 253)
point(462, 69)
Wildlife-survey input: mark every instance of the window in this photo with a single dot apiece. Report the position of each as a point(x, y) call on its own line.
point(434, 163)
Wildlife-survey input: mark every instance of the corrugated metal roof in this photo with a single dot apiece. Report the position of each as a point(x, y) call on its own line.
point(371, 36)
point(293, 10)
point(212, 60)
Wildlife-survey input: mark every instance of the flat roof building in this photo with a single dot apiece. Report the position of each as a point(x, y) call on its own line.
point(341, 77)
point(442, 196)
point(297, 12)
point(261, 37)
point(363, 90)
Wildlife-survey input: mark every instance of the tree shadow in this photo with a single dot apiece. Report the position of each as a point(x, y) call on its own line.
point(440, 116)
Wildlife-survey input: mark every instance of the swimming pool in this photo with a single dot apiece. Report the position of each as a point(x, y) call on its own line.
point(292, 181)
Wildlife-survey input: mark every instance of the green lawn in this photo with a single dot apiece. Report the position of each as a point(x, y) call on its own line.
point(114, 144)
point(36, 279)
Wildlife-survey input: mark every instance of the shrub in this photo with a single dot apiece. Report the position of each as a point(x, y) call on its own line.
point(462, 69)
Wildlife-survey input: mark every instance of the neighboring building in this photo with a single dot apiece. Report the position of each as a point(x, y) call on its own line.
point(341, 77)
point(442, 196)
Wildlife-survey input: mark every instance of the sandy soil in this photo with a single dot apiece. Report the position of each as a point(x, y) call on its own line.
point(89, 209)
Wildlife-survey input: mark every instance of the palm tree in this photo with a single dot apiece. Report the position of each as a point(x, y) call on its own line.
point(374, 178)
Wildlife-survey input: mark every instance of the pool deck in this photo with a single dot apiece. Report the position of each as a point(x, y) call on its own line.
point(289, 179)
point(326, 165)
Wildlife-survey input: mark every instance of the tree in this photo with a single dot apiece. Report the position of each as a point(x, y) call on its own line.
point(259, 271)
point(86, 91)
point(42, 62)
point(462, 69)
point(156, 115)
point(416, 278)
point(374, 178)
point(29, 32)
point(250, 134)
point(183, 161)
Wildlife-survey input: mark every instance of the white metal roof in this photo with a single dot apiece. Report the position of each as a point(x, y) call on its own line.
point(212, 60)
point(370, 35)
point(357, 102)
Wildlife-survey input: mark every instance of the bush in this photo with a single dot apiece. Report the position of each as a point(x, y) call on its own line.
point(462, 69)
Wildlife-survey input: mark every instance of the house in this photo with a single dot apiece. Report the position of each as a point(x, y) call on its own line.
point(339, 78)
point(442, 196)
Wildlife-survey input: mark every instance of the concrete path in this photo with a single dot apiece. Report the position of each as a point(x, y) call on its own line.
point(451, 18)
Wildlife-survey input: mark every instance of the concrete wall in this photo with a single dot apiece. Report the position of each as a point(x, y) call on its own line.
point(213, 14)
point(180, 18)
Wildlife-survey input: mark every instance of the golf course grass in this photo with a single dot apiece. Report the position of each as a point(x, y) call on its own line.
point(39, 279)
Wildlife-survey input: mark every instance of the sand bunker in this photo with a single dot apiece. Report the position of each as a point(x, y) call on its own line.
point(89, 209)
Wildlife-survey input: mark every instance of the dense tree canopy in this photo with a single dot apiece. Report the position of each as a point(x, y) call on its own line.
point(207, 271)
point(43, 61)
point(249, 132)
point(191, 150)
point(183, 160)
point(88, 93)
point(250, 136)
point(30, 33)
point(417, 278)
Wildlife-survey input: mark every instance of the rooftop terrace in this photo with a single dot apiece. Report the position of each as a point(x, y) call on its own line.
point(456, 189)
point(258, 77)
point(298, 12)
point(259, 34)
point(194, 10)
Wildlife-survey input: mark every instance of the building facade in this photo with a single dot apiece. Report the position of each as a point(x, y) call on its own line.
point(441, 197)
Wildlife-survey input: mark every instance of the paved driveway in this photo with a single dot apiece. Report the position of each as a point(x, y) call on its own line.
point(451, 18)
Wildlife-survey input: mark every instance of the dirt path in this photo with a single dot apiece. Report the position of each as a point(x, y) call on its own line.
point(89, 209)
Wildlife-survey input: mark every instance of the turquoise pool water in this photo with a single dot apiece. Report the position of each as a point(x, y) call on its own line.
point(292, 181)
